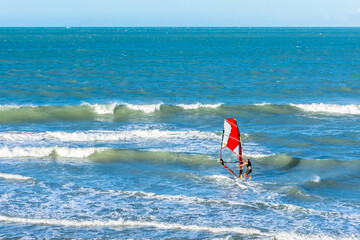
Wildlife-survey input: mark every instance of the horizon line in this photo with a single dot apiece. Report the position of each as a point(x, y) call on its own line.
point(106, 26)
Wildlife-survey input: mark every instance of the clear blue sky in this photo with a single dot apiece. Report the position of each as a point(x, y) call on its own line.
point(179, 13)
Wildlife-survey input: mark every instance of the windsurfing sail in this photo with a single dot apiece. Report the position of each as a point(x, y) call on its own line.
point(231, 140)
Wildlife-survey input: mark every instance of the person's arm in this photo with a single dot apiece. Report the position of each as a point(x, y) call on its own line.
point(245, 163)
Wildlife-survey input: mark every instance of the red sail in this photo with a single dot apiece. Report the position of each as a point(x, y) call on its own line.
point(231, 139)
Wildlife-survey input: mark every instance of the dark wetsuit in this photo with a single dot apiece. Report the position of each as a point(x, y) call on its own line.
point(249, 168)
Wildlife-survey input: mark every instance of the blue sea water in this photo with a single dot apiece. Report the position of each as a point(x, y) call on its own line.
point(114, 133)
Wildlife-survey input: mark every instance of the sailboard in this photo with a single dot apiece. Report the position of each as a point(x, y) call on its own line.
point(230, 145)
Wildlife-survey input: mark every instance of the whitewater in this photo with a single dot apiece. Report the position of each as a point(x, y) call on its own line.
point(114, 133)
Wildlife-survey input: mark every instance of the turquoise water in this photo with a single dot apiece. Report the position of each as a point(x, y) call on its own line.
point(115, 132)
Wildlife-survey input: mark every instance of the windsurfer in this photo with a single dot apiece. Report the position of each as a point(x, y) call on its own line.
point(232, 141)
point(249, 168)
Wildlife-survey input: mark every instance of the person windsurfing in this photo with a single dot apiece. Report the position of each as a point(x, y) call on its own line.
point(249, 168)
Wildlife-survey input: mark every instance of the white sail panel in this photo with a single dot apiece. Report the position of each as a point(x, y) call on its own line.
point(226, 134)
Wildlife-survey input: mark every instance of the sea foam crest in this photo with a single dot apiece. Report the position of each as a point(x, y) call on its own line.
point(131, 224)
point(198, 105)
point(104, 136)
point(48, 151)
point(316, 179)
point(8, 107)
point(172, 198)
point(144, 108)
point(281, 207)
point(329, 108)
point(103, 108)
point(297, 236)
point(257, 155)
point(195, 200)
point(9, 176)
point(262, 104)
point(221, 180)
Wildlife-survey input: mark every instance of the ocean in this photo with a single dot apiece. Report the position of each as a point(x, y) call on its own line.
point(115, 133)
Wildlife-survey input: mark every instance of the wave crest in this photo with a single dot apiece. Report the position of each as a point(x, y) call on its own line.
point(105, 136)
point(145, 108)
point(198, 105)
point(40, 152)
point(9, 176)
point(126, 111)
point(129, 223)
point(329, 108)
point(102, 108)
point(105, 154)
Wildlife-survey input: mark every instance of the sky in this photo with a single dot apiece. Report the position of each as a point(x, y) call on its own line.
point(176, 13)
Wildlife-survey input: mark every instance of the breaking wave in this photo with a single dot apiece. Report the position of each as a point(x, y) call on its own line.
point(110, 108)
point(144, 108)
point(329, 108)
point(105, 136)
point(282, 207)
point(102, 108)
point(125, 111)
point(41, 152)
point(9, 176)
point(297, 236)
point(276, 161)
point(85, 111)
point(104, 154)
point(317, 108)
point(121, 223)
point(129, 224)
point(199, 105)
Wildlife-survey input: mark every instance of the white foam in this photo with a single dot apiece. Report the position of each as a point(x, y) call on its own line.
point(281, 207)
point(65, 152)
point(104, 136)
point(231, 181)
point(193, 200)
point(262, 104)
point(144, 108)
point(9, 176)
point(198, 105)
point(103, 108)
point(129, 224)
point(177, 198)
point(257, 155)
point(316, 179)
point(8, 107)
point(219, 178)
point(298, 236)
point(329, 108)
point(162, 197)
point(121, 223)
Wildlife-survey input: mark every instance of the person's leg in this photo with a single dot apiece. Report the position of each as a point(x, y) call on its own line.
point(248, 172)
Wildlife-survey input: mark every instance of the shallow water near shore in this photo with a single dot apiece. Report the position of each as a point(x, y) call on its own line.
point(115, 132)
